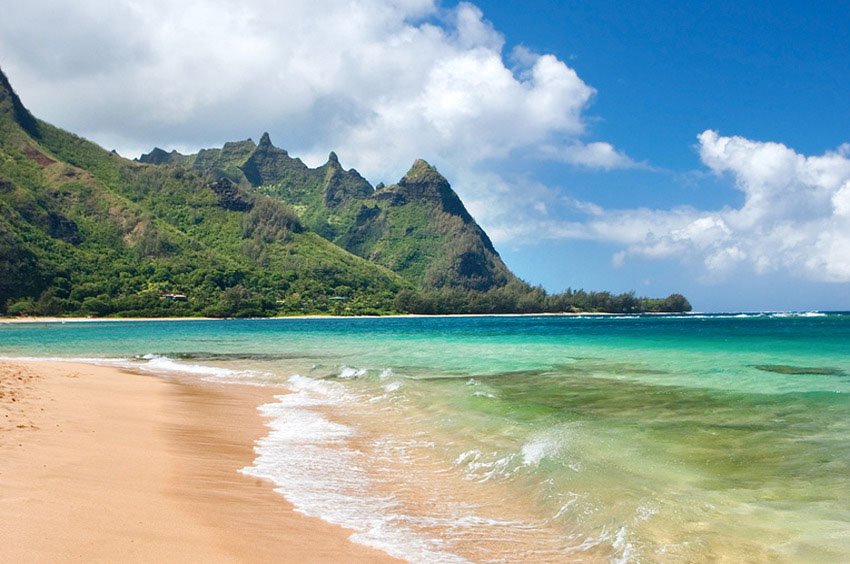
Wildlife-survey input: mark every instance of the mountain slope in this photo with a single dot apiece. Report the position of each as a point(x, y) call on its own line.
point(241, 230)
point(421, 229)
point(418, 228)
point(83, 230)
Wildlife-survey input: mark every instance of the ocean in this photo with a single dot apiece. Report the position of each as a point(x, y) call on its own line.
point(536, 439)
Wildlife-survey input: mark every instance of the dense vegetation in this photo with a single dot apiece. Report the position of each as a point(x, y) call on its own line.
point(519, 298)
point(245, 230)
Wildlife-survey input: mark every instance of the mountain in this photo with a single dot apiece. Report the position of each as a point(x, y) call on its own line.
point(244, 230)
point(83, 230)
point(418, 228)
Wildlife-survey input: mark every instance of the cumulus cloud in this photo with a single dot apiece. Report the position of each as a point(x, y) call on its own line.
point(382, 82)
point(795, 217)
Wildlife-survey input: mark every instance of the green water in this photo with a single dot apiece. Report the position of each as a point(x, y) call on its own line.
point(696, 438)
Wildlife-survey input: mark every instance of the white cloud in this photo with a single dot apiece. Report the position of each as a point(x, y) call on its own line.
point(382, 82)
point(795, 217)
point(597, 154)
point(841, 200)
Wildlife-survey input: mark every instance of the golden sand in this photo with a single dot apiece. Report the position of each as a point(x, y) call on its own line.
point(99, 464)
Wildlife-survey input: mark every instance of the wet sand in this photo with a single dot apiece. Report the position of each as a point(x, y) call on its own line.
point(100, 464)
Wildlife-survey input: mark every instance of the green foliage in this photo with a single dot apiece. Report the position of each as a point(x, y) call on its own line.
point(673, 302)
point(21, 307)
point(518, 297)
point(270, 221)
point(242, 231)
point(83, 231)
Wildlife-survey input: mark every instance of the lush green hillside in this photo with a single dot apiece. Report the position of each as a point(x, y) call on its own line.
point(421, 229)
point(85, 231)
point(418, 228)
point(241, 230)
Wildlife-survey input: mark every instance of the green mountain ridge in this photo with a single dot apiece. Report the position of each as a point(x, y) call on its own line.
point(83, 230)
point(418, 227)
point(241, 230)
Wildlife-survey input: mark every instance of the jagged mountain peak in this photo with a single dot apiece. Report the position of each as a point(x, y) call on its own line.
point(246, 144)
point(248, 231)
point(376, 223)
point(160, 156)
point(268, 164)
point(422, 171)
point(341, 186)
point(425, 183)
point(267, 149)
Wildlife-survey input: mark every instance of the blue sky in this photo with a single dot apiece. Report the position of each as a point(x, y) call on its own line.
point(766, 70)
point(657, 147)
point(665, 71)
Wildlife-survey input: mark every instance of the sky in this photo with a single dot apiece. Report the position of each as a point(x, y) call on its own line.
point(665, 146)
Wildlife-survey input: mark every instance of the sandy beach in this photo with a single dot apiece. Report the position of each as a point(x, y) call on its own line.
point(30, 319)
point(100, 464)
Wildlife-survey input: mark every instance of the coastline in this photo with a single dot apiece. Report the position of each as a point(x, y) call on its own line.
point(14, 320)
point(101, 464)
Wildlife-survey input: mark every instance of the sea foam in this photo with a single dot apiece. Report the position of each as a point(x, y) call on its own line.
point(162, 365)
point(316, 468)
point(349, 372)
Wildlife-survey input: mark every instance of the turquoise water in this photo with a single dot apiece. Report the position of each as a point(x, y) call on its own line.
point(663, 438)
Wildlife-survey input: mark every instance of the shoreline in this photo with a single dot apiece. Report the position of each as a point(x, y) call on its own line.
point(102, 464)
point(15, 320)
